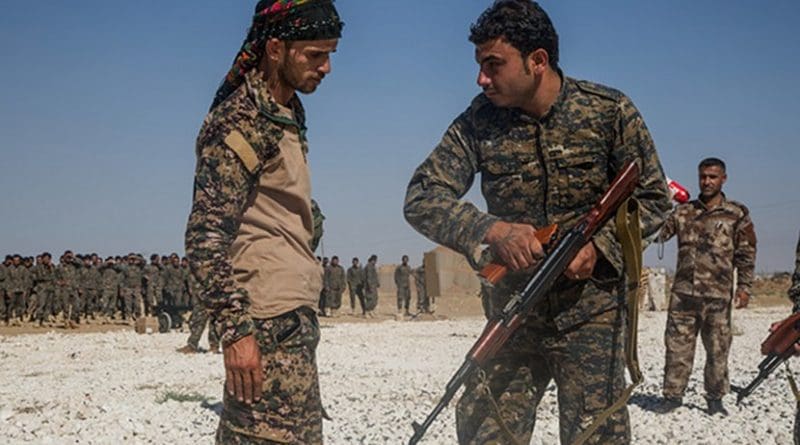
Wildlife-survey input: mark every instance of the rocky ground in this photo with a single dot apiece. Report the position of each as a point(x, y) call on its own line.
point(113, 387)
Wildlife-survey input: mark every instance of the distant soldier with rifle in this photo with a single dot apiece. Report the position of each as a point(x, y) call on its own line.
point(547, 147)
point(715, 237)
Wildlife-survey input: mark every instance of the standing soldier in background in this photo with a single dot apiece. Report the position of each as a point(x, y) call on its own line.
point(91, 283)
point(715, 237)
point(371, 285)
point(131, 288)
point(355, 284)
point(152, 277)
point(323, 294)
point(29, 305)
point(110, 279)
point(335, 282)
point(16, 289)
point(546, 147)
point(4, 279)
point(44, 275)
point(186, 291)
point(423, 303)
point(173, 279)
point(402, 279)
point(251, 226)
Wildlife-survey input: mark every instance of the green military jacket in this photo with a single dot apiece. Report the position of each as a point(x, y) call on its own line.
point(3, 279)
point(44, 277)
point(110, 278)
point(334, 279)
point(371, 280)
point(711, 244)
point(402, 277)
point(355, 277)
point(540, 171)
point(152, 274)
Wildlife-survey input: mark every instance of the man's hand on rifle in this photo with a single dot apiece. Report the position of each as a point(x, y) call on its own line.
point(742, 299)
point(243, 376)
point(515, 244)
point(583, 264)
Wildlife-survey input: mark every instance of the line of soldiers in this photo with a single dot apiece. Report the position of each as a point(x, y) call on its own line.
point(362, 282)
point(83, 287)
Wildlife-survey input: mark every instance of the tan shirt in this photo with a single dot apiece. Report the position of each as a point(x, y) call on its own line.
point(271, 256)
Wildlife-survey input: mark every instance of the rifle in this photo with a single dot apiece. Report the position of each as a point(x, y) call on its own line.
point(778, 347)
point(500, 328)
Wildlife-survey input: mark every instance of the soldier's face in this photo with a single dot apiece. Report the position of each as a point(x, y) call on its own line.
point(305, 63)
point(506, 78)
point(335, 262)
point(711, 180)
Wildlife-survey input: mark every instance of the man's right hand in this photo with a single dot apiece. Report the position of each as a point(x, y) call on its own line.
point(515, 244)
point(243, 376)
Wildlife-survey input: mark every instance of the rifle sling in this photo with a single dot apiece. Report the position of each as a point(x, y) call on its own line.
point(629, 234)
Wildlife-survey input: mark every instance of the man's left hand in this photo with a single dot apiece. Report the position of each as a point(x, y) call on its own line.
point(742, 299)
point(582, 265)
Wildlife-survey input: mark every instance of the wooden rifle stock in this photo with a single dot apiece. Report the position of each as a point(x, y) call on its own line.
point(494, 271)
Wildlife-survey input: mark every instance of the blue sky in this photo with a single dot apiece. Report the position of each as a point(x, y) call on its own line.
point(102, 101)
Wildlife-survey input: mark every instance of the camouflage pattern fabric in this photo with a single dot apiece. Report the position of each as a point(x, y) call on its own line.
point(549, 170)
point(222, 184)
point(355, 284)
point(152, 276)
point(91, 280)
point(588, 375)
point(371, 285)
point(197, 323)
point(423, 304)
point(130, 289)
point(402, 279)
point(110, 290)
point(711, 243)
point(44, 278)
point(794, 290)
point(3, 287)
point(319, 229)
point(335, 282)
point(712, 318)
point(173, 284)
point(290, 409)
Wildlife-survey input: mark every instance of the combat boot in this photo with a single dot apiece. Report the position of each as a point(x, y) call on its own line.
point(715, 407)
point(214, 347)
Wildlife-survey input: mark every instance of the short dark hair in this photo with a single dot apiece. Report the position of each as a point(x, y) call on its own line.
point(712, 162)
point(523, 23)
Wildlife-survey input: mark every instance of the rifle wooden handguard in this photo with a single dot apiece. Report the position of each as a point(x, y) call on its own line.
point(494, 272)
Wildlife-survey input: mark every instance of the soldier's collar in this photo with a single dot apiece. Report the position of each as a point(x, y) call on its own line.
point(560, 99)
point(267, 106)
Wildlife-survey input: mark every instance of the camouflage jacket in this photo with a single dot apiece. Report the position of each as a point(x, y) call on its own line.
point(110, 279)
point(419, 277)
point(355, 277)
point(223, 180)
point(17, 280)
point(549, 170)
point(91, 278)
point(44, 276)
point(711, 243)
point(794, 291)
point(3, 278)
point(68, 276)
point(152, 275)
point(371, 281)
point(334, 279)
point(172, 279)
point(402, 276)
point(131, 276)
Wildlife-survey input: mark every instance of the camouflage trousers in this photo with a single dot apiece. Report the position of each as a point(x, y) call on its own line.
point(357, 293)
point(3, 305)
point(711, 317)
point(17, 304)
point(91, 301)
point(588, 366)
point(131, 301)
point(44, 303)
point(290, 409)
point(333, 299)
point(154, 296)
point(403, 298)
point(108, 302)
point(197, 323)
point(67, 301)
point(423, 305)
point(370, 299)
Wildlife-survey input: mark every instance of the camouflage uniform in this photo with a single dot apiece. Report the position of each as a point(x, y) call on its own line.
point(290, 409)
point(173, 284)
point(3, 286)
point(423, 304)
point(335, 283)
point(711, 244)
point(402, 279)
point(17, 289)
point(186, 291)
point(371, 285)
point(91, 281)
point(355, 284)
point(549, 170)
point(110, 279)
point(44, 278)
point(152, 276)
point(199, 319)
point(131, 289)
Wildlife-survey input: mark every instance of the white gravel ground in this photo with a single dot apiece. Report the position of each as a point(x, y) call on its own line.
point(376, 378)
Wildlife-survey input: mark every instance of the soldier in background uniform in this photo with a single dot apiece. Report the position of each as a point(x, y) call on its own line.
point(547, 147)
point(152, 278)
point(186, 292)
point(197, 323)
point(44, 275)
point(109, 284)
point(423, 303)
point(131, 287)
point(715, 237)
point(355, 284)
point(335, 282)
point(173, 281)
point(32, 297)
point(323, 294)
point(4, 279)
point(371, 285)
point(249, 236)
point(90, 283)
point(402, 279)
point(16, 289)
